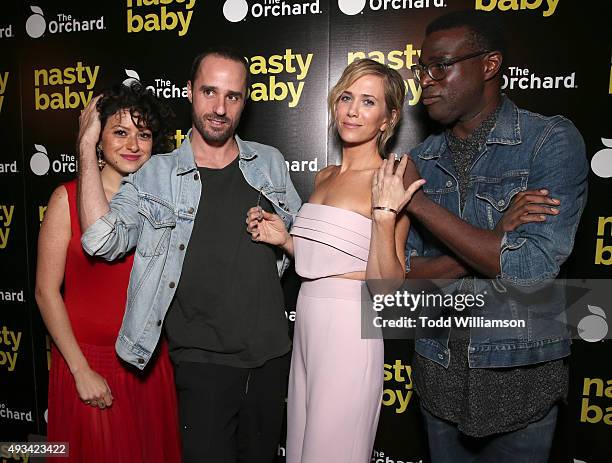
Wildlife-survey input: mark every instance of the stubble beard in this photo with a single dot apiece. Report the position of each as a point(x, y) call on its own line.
point(215, 137)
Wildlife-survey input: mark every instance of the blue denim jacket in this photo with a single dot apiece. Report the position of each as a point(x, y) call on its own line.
point(154, 211)
point(525, 150)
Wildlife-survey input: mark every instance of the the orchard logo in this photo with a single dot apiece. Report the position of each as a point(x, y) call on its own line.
point(7, 32)
point(160, 87)
point(132, 78)
point(237, 10)
point(41, 164)
point(521, 78)
point(601, 164)
point(353, 7)
point(36, 24)
point(594, 327)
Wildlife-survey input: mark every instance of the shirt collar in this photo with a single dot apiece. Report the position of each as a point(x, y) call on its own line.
point(186, 161)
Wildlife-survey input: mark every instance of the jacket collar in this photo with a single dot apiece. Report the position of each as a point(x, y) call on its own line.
point(507, 131)
point(186, 161)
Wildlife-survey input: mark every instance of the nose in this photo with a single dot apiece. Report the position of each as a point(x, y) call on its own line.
point(425, 80)
point(353, 109)
point(219, 107)
point(132, 143)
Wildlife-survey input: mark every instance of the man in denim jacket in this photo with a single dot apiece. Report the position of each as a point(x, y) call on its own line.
point(491, 394)
point(196, 267)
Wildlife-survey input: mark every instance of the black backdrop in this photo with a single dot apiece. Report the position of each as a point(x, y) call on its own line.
point(55, 55)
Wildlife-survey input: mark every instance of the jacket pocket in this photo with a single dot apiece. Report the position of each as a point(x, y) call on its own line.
point(158, 220)
point(495, 195)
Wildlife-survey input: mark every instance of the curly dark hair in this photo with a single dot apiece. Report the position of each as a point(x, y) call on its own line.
point(146, 109)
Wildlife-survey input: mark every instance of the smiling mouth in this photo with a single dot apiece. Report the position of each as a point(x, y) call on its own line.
point(348, 125)
point(217, 122)
point(130, 157)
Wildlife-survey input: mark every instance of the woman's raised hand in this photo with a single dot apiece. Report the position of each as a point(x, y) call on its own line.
point(90, 126)
point(388, 190)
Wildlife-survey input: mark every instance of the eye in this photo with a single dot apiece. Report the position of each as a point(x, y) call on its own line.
point(233, 97)
point(208, 91)
point(345, 98)
point(369, 102)
point(119, 132)
point(145, 135)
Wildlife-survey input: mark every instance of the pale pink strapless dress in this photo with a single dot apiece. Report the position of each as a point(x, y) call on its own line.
point(336, 379)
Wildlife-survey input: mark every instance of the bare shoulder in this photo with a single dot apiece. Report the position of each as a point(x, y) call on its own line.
point(57, 213)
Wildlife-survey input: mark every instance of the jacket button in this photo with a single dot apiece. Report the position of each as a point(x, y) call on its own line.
point(140, 361)
point(196, 177)
point(441, 357)
point(449, 184)
point(159, 322)
point(182, 247)
point(190, 210)
point(172, 284)
point(501, 202)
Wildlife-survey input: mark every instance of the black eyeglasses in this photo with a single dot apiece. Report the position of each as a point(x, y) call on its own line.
point(437, 71)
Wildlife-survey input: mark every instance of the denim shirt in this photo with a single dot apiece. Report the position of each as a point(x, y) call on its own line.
point(524, 151)
point(154, 211)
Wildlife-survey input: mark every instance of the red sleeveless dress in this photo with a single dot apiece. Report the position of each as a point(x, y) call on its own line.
point(142, 423)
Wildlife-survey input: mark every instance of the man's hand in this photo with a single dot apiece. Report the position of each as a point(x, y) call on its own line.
point(527, 206)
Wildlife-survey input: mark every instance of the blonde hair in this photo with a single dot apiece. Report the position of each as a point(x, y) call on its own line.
point(394, 89)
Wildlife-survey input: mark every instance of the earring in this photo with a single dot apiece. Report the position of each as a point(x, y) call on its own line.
point(100, 155)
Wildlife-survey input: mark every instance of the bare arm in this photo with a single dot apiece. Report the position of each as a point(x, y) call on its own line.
point(387, 258)
point(92, 202)
point(53, 242)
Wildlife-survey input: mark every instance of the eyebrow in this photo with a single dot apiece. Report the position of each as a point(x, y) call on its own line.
point(363, 94)
point(203, 88)
point(121, 126)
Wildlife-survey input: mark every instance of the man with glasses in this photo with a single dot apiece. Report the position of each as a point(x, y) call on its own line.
point(491, 394)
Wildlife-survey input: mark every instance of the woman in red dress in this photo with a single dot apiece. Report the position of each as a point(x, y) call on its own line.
point(106, 410)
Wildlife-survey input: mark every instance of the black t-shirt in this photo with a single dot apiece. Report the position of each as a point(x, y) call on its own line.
point(229, 305)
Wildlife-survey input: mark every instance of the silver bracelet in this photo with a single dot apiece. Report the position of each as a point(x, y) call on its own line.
point(384, 208)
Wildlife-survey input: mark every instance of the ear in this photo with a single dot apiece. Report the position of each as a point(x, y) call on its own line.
point(391, 120)
point(492, 65)
point(189, 92)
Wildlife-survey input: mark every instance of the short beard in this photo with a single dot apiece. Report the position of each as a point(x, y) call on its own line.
point(213, 137)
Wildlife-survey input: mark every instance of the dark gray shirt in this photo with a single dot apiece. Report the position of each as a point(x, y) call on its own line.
point(229, 304)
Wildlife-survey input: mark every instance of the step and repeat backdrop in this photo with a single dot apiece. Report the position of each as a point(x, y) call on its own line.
point(55, 56)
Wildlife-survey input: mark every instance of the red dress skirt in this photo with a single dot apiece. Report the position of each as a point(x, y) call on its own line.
point(142, 423)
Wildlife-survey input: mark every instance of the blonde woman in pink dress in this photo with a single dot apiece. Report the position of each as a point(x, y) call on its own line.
point(352, 229)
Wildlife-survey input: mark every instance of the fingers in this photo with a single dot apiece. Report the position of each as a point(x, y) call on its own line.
point(527, 218)
point(401, 167)
point(380, 173)
point(389, 163)
point(536, 196)
point(537, 209)
point(268, 215)
point(414, 186)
